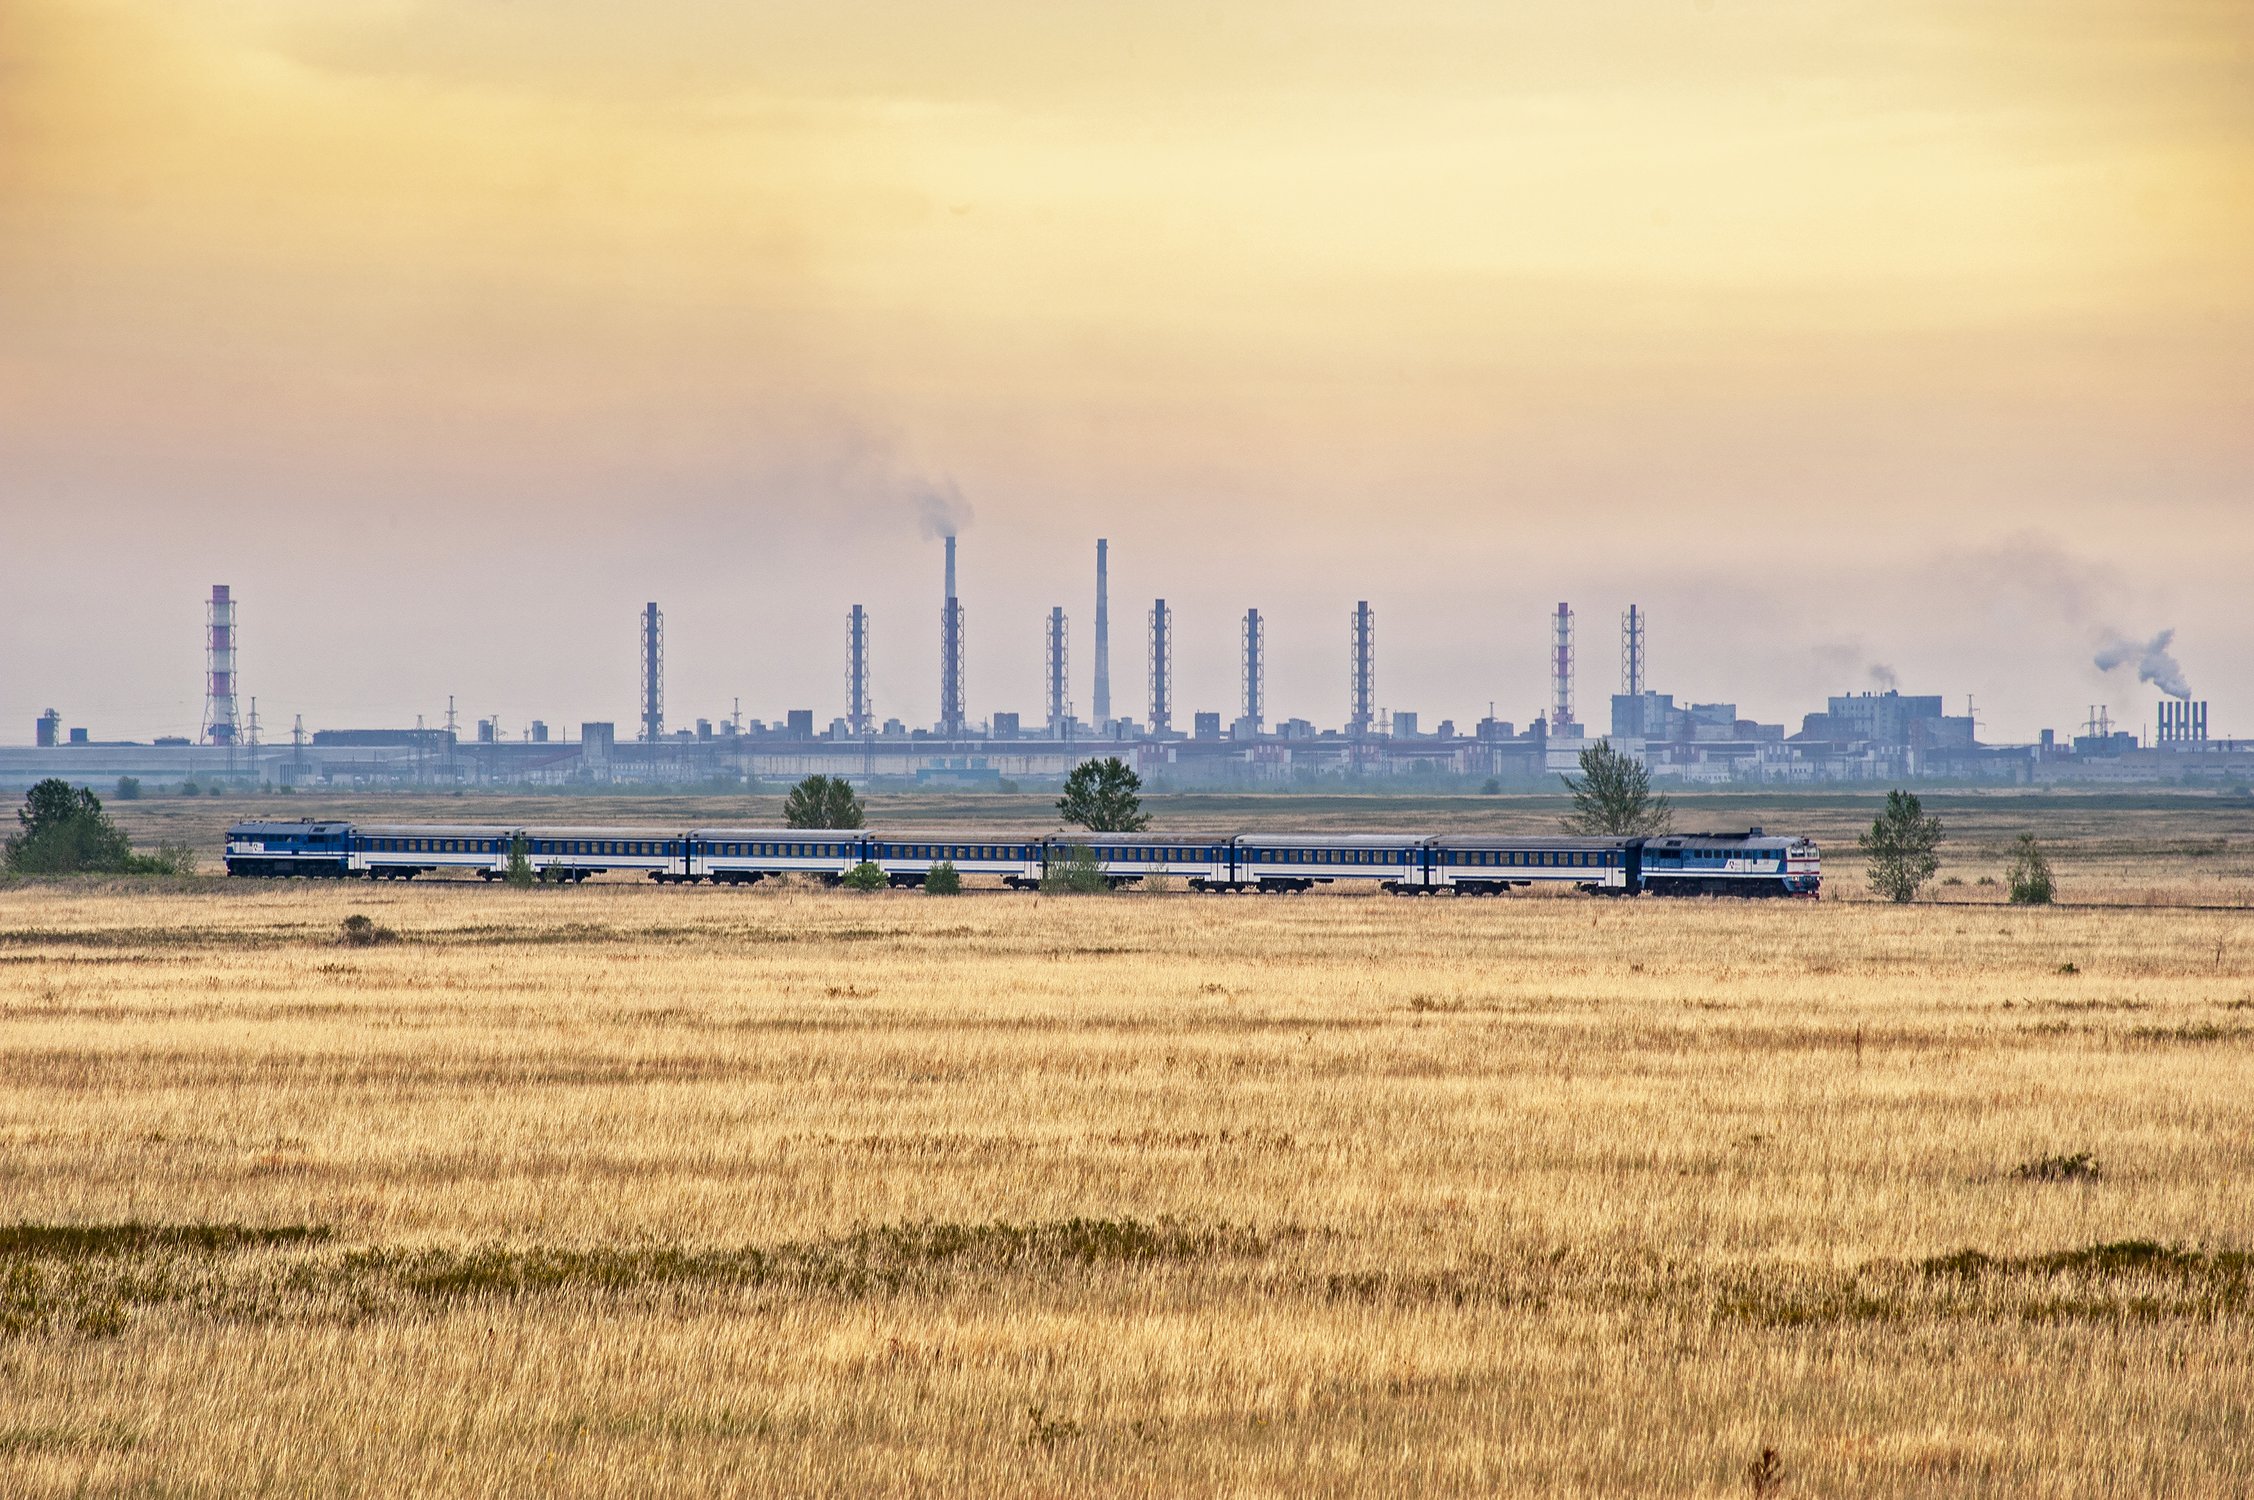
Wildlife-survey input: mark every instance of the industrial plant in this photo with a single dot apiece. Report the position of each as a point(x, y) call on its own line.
point(1881, 735)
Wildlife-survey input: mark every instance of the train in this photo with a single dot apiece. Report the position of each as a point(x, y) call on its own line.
point(1748, 863)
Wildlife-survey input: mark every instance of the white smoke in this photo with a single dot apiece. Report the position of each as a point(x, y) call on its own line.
point(941, 509)
point(2154, 664)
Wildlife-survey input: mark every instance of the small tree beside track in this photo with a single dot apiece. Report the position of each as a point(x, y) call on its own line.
point(1903, 847)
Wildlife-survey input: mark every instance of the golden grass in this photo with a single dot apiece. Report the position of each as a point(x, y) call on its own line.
point(623, 1190)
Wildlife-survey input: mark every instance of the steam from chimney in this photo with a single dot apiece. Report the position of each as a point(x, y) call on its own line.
point(941, 510)
point(2154, 664)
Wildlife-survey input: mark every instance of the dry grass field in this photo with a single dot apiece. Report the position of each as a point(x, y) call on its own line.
point(622, 1191)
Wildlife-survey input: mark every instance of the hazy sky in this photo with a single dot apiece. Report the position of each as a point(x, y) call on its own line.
point(1836, 335)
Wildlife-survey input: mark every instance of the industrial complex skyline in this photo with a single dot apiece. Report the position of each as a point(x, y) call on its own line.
point(1836, 741)
point(1839, 338)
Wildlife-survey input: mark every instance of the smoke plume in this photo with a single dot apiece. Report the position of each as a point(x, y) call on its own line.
point(2154, 664)
point(941, 509)
point(1883, 677)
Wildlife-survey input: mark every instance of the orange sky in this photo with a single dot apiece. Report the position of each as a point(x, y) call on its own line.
point(1834, 334)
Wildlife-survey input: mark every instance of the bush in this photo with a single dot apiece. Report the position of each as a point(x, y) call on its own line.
point(2080, 1167)
point(1491, 787)
point(520, 872)
point(944, 880)
point(2030, 876)
point(866, 876)
point(360, 931)
point(1077, 874)
point(170, 859)
point(128, 789)
point(190, 789)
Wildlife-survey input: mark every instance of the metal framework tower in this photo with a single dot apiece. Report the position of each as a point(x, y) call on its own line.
point(1361, 670)
point(222, 722)
point(653, 675)
point(858, 718)
point(1561, 669)
point(1632, 652)
point(1255, 670)
point(1102, 705)
point(1161, 667)
point(953, 721)
point(1060, 675)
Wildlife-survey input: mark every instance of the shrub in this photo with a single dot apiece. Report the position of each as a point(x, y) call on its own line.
point(129, 789)
point(520, 868)
point(170, 859)
point(866, 876)
point(1491, 787)
point(2030, 876)
point(359, 931)
point(2080, 1167)
point(190, 789)
point(944, 880)
point(1077, 874)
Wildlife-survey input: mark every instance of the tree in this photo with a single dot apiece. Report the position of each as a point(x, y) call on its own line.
point(1903, 847)
point(1100, 795)
point(943, 879)
point(63, 831)
point(2030, 876)
point(128, 788)
point(1614, 796)
point(520, 868)
point(868, 875)
point(822, 802)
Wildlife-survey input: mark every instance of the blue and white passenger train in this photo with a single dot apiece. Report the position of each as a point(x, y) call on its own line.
point(1687, 864)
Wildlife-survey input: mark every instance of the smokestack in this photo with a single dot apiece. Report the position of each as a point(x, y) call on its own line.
point(221, 724)
point(1632, 652)
point(858, 718)
point(1102, 705)
point(953, 721)
point(1060, 676)
point(1255, 671)
point(653, 673)
point(1561, 671)
point(1361, 670)
point(1161, 668)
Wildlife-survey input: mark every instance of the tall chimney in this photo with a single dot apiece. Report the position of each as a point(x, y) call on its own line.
point(1255, 671)
point(221, 723)
point(953, 722)
point(1102, 705)
point(1361, 673)
point(1632, 652)
point(653, 673)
